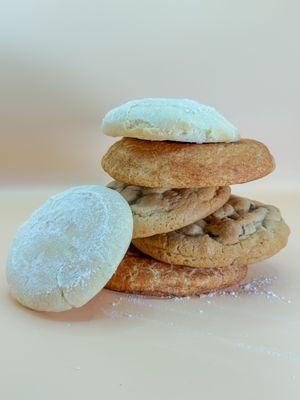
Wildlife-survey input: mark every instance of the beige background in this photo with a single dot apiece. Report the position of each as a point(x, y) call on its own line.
point(65, 63)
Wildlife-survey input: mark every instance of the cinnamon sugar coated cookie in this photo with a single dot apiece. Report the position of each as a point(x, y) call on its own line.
point(185, 165)
point(141, 274)
point(163, 210)
point(180, 120)
point(66, 252)
point(241, 232)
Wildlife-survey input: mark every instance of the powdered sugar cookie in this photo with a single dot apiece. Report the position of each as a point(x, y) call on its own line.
point(180, 120)
point(66, 252)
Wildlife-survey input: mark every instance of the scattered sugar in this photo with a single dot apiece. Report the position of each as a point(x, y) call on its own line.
point(116, 303)
point(293, 357)
point(139, 305)
point(75, 368)
point(256, 286)
point(126, 314)
point(181, 299)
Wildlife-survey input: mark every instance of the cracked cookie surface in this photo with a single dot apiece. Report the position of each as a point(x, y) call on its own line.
point(181, 120)
point(241, 232)
point(163, 210)
point(186, 165)
point(143, 275)
point(66, 252)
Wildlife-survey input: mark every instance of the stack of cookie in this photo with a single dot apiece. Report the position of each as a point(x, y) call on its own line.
point(174, 167)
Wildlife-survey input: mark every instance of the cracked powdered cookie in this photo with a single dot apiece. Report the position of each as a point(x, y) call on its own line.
point(163, 210)
point(184, 165)
point(66, 252)
point(241, 232)
point(181, 120)
point(143, 275)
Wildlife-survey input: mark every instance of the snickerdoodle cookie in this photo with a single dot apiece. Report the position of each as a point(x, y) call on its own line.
point(181, 120)
point(163, 210)
point(141, 274)
point(185, 165)
point(241, 232)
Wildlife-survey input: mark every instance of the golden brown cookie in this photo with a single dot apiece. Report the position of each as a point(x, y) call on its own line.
point(163, 210)
point(241, 232)
point(141, 274)
point(185, 165)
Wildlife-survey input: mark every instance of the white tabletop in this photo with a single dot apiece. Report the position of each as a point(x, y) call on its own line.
point(242, 345)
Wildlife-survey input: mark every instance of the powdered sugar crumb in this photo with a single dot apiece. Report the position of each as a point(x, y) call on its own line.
point(256, 286)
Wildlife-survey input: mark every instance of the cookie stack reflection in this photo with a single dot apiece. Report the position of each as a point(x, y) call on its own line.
point(175, 165)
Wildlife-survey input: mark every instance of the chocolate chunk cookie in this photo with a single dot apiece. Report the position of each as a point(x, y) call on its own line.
point(241, 232)
point(163, 210)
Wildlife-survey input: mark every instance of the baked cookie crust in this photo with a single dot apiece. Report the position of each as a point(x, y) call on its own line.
point(241, 232)
point(143, 275)
point(158, 211)
point(185, 165)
